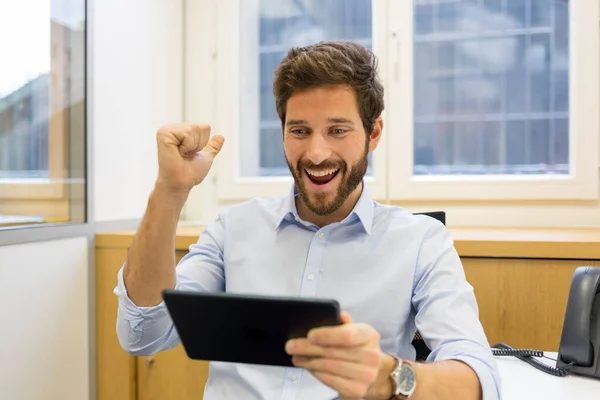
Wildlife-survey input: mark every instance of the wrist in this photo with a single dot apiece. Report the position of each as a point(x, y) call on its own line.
point(166, 193)
point(381, 389)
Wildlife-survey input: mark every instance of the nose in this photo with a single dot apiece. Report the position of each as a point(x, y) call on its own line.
point(319, 149)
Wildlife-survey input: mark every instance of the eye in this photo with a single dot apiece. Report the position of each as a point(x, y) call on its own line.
point(339, 131)
point(299, 131)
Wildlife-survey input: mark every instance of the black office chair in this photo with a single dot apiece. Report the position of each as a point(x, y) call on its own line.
point(418, 343)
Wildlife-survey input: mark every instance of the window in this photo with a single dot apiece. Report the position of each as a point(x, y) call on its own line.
point(492, 98)
point(485, 99)
point(280, 25)
point(42, 111)
point(491, 87)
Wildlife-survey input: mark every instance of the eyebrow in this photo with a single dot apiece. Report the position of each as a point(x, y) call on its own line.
point(330, 120)
point(296, 122)
point(340, 121)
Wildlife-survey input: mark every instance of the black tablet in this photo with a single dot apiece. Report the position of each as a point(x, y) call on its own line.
point(249, 329)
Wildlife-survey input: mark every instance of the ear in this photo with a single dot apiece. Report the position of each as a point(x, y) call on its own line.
point(375, 136)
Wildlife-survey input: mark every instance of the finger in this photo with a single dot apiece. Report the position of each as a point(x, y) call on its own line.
point(348, 389)
point(346, 318)
point(342, 368)
point(190, 138)
point(303, 348)
point(214, 145)
point(347, 335)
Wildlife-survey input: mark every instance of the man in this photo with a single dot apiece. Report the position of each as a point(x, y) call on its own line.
point(391, 271)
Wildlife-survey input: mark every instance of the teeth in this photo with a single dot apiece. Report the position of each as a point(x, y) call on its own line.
point(321, 173)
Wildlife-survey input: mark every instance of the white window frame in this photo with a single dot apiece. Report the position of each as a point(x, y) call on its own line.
point(230, 185)
point(393, 160)
point(584, 126)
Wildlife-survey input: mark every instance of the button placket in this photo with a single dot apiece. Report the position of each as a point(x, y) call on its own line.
point(313, 264)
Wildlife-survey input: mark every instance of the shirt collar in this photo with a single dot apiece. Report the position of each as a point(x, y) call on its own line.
point(363, 210)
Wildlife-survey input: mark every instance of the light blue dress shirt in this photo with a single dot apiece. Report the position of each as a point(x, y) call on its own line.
point(396, 271)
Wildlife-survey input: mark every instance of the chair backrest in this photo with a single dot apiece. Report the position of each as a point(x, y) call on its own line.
point(418, 343)
point(439, 215)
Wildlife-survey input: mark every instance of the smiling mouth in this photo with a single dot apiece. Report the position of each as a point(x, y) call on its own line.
point(321, 177)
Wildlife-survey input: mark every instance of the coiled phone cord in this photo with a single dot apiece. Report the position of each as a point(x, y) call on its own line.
point(518, 352)
point(502, 349)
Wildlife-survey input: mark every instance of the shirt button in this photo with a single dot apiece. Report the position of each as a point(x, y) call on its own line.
point(293, 377)
point(321, 235)
point(311, 277)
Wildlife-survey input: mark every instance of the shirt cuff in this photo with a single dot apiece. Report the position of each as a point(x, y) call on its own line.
point(132, 320)
point(489, 378)
point(132, 313)
point(129, 307)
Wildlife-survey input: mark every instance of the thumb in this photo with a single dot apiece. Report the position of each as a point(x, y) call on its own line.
point(214, 145)
point(346, 318)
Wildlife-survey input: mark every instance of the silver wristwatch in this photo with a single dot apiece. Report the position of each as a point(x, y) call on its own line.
point(403, 380)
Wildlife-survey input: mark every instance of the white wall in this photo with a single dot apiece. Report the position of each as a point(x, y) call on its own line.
point(200, 51)
point(44, 321)
point(137, 87)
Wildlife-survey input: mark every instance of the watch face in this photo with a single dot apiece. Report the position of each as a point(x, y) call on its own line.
point(406, 379)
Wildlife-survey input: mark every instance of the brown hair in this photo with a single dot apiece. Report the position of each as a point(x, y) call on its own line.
point(332, 62)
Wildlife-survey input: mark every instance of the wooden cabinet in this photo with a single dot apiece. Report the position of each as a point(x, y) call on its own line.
point(522, 302)
point(116, 370)
point(169, 375)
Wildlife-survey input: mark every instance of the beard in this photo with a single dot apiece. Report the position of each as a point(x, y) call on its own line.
point(350, 179)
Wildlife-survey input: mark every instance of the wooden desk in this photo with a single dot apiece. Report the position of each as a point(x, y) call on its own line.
point(521, 280)
point(470, 242)
point(583, 244)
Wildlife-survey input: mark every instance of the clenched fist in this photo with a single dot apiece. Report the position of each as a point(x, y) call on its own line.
point(185, 155)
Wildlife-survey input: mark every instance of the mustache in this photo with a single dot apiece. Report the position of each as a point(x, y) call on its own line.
point(327, 164)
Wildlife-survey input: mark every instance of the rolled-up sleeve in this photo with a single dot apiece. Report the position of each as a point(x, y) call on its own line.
point(148, 330)
point(447, 314)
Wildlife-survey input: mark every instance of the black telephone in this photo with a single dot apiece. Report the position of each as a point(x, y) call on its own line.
point(579, 351)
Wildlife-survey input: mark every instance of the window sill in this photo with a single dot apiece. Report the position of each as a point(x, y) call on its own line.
point(470, 242)
point(26, 189)
point(7, 221)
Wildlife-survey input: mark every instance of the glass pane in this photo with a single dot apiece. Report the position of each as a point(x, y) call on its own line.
point(560, 149)
point(540, 12)
point(425, 88)
point(560, 57)
point(468, 143)
point(491, 87)
point(492, 6)
point(492, 146)
point(516, 10)
point(516, 145)
point(446, 17)
point(270, 28)
point(424, 19)
point(271, 147)
point(42, 112)
point(516, 78)
point(540, 138)
point(538, 64)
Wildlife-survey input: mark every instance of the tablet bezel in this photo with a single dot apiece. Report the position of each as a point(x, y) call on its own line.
point(245, 328)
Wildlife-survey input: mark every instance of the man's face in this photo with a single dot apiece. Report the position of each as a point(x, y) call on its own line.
point(326, 146)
